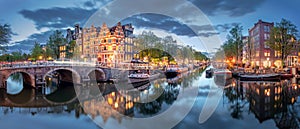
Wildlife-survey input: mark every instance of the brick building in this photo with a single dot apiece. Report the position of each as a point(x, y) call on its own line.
point(263, 55)
point(105, 45)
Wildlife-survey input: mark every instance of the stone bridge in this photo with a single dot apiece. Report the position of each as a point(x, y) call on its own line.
point(35, 75)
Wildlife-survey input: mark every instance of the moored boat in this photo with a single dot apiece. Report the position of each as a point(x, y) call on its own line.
point(140, 75)
point(286, 76)
point(172, 71)
point(144, 79)
point(209, 73)
point(224, 73)
point(260, 77)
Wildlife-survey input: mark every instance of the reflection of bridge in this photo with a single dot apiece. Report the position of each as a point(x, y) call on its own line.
point(36, 74)
point(29, 98)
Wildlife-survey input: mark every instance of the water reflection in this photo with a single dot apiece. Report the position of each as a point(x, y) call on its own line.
point(266, 100)
point(116, 103)
point(15, 83)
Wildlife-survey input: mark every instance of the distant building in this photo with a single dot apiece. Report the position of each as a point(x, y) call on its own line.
point(246, 52)
point(292, 58)
point(106, 45)
point(263, 56)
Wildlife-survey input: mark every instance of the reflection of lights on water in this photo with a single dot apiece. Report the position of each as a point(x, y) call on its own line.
point(233, 83)
point(110, 101)
point(293, 100)
point(267, 92)
point(129, 105)
point(113, 94)
point(145, 91)
point(116, 105)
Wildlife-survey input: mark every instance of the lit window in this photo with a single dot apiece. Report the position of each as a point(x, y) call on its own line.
point(109, 48)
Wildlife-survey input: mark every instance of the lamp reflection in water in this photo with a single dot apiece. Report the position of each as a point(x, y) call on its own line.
point(267, 92)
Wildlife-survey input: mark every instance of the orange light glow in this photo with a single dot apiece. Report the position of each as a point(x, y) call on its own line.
point(110, 101)
point(116, 105)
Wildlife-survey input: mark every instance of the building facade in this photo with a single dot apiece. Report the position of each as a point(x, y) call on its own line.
point(292, 59)
point(106, 45)
point(246, 51)
point(263, 55)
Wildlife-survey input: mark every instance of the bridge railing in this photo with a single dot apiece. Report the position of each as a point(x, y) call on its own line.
point(47, 63)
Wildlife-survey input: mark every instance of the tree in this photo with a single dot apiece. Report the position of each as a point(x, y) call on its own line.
point(234, 44)
point(144, 42)
point(155, 48)
point(283, 38)
point(37, 51)
point(71, 49)
point(5, 35)
point(55, 41)
point(16, 56)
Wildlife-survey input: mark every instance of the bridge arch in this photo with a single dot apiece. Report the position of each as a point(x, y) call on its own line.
point(55, 98)
point(68, 74)
point(28, 78)
point(96, 74)
point(21, 99)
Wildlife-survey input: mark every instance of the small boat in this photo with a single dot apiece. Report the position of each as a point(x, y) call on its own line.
point(209, 73)
point(139, 75)
point(260, 77)
point(136, 76)
point(172, 71)
point(142, 76)
point(224, 73)
point(286, 76)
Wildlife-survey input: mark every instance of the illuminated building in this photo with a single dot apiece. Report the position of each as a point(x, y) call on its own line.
point(263, 56)
point(292, 58)
point(106, 45)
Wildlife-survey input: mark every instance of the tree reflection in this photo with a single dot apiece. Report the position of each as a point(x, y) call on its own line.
point(16, 77)
point(235, 97)
point(267, 100)
point(168, 96)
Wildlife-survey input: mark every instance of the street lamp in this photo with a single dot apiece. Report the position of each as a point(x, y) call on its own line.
point(40, 57)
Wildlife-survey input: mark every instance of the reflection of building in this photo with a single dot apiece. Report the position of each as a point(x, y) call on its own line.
point(112, 105)
point(106, 45)
point(270, 100)
point(263, 55)
point(265, 100)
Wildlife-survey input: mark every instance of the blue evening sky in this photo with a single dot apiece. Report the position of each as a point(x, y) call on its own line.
point(33, 20)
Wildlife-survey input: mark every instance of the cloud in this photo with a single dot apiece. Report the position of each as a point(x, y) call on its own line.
point(26, 45)
point(57, 17)
point(173, 26)
point(88, 4)
point(225, 27)
point(233, 8)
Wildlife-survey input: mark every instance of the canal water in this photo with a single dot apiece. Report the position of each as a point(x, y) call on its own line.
point(233, 103)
